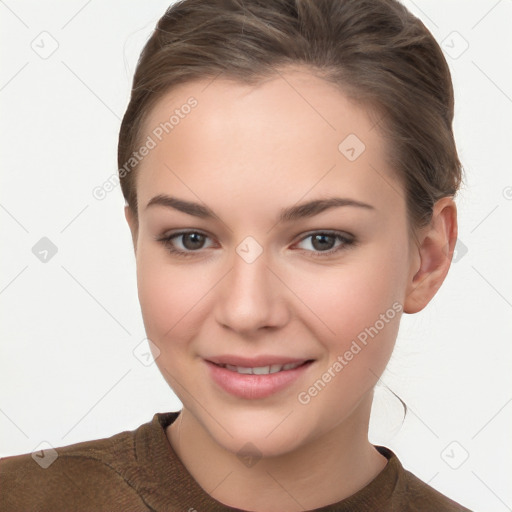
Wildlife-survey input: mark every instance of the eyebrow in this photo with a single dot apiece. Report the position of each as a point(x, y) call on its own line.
point(289, 214)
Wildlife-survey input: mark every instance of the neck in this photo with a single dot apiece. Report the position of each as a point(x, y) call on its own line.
point(326, 470)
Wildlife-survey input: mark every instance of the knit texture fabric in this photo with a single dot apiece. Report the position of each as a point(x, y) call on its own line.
point(139, 471)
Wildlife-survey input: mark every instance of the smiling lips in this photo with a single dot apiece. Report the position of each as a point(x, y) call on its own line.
point(255, 378)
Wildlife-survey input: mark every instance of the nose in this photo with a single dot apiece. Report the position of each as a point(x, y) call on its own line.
point(251, 298)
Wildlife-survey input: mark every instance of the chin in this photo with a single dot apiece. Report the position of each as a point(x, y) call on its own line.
point(257, 445)
point(264, 433)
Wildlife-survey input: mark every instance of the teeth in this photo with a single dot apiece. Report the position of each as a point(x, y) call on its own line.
point(291, 366)
point(275, 368)
point(238, 369)
point(261, 370)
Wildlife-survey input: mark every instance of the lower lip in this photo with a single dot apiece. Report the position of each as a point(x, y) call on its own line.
point(251, 386)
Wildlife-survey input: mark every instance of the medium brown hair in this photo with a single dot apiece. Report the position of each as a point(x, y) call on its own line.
point(376, 51)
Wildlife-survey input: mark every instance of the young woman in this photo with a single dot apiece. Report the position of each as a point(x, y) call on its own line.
point(289, 170)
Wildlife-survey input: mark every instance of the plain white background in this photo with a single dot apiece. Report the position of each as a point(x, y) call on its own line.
point(71, 326)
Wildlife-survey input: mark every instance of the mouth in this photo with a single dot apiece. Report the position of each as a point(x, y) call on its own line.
point(256, 378)
point(262, 370)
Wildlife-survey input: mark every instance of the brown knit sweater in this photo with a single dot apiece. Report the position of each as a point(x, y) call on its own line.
point(139, 471)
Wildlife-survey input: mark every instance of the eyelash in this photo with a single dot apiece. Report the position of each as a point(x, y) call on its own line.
point(347, 241)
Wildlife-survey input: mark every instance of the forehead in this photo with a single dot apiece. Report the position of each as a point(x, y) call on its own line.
point(293, 134)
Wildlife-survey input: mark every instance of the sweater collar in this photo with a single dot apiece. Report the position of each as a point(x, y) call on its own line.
point(169, 486)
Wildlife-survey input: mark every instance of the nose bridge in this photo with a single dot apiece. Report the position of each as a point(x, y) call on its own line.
point(250, 296)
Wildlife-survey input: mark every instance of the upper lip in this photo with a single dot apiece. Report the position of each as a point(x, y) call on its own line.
point(254, 362)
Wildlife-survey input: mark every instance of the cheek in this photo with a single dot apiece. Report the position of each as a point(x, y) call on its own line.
point(357, 308)
point(169, 295)
point(352, 296)
point(358, 319)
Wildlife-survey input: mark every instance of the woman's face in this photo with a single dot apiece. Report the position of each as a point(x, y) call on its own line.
point(254, 287)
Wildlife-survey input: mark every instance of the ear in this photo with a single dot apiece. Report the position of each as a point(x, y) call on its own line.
point(133, 224)
point(434, 252)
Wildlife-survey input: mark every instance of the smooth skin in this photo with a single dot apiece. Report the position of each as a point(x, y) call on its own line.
point(247, 152)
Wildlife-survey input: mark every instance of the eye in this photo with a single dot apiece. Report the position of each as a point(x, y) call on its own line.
point(191, 242)
point(323, 242)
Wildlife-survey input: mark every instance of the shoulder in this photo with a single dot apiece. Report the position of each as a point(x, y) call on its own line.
point(81, 476)
point(425, 496)
point(411, 494)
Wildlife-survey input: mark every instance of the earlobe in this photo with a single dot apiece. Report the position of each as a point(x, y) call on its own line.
point(133, 225)
point(435, 248)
